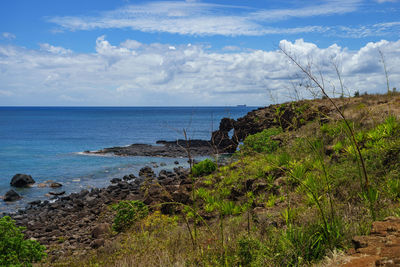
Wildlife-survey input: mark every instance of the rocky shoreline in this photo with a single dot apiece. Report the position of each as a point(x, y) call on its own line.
point(83, 220)
point(78, 222)
point(173, 149)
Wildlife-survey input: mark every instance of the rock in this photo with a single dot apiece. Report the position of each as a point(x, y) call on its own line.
point(176, 162)
point(226, 124)
point(41, 185)
point(99, 230)
point(97, 243)
point(22, 180)
point(146, 172)
point(129, 177)
point(163, 164)
point(57, 193)
point(154, 164)
point(35, 202)
point(181, 197)
point(55, 185)
point(115, 180)
point(11, 196)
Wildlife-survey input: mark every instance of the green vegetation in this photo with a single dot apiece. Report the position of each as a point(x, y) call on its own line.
point(261, 142)
point(14, 249)
point(128, 212)
point(204, 167)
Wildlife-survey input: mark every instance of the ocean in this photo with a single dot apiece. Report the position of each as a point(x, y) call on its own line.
point(47, 143)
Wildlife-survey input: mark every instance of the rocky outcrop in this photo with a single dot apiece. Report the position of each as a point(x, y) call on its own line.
point(146, 172)
point(173, 149)
point(380, 248)
point(288, 116)
point(221, 140)
point(22, 180)
point(11, 196)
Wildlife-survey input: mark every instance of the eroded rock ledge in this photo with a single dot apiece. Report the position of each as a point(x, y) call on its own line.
point(173, 149)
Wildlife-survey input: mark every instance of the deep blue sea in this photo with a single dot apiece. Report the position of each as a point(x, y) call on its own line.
point(45, 142)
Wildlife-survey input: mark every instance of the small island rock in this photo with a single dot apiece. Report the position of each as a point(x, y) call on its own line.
point(11, 196)
point(22, 180)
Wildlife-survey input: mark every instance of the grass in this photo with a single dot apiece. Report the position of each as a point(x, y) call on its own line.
point(289, 204)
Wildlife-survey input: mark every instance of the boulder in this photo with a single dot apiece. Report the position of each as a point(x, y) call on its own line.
point(115, 180)
point(22, 180)
point(146, 172)
point(101, 229)
point(97, 243)
point(11, 196)
point(55, 185)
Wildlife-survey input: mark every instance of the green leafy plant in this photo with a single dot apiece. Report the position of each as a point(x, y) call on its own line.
point(14, 249)
point(261, 142)
point(204, 167)
point(128, 212)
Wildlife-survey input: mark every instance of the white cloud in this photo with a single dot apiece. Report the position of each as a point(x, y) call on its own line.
point(385, 1)
point(196, 18)
point(54, 49)
point(133, 73)
point(363, 31)
point(7, 36)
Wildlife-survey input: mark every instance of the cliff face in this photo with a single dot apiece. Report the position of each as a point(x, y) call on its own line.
point(293, 115)
point(288, 116)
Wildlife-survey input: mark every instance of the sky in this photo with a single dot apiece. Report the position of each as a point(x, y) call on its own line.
point(193, 53)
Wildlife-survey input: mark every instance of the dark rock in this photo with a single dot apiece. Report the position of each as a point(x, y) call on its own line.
point(226, 124)
point(57, 193)
point(97, 243)
point(101, 230)
point(35, 202)
point(128, 177)
point(22, 180)
point(115, 180)
point(181, 197)
point(176, 162)
point(163, 164)
point(223, 143)
point(172, 149)
point(55, 185)
point(147, 172)
point(83, 193)
point(11, 196)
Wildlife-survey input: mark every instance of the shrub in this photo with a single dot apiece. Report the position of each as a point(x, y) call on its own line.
point(247, 250)
point(261, 142)
point(14, 249)
point(128, 212)
point(204, 167)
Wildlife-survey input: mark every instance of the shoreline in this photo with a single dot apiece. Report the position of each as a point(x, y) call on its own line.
point(76, 215)
point(162, 148)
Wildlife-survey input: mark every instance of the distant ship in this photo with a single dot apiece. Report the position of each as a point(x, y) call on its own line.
point(241, 106)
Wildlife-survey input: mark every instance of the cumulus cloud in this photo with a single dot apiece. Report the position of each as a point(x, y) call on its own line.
point(197, 18)
point(54, 49)
point(132, 73)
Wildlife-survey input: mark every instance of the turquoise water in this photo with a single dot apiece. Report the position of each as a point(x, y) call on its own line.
point(45, 142)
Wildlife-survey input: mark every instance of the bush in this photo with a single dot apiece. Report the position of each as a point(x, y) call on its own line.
point(14, 249)
point(204, 167)
point(128, 212)
point(261, 142)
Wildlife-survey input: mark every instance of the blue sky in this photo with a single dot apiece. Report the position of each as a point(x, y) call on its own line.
point(144, 53)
